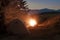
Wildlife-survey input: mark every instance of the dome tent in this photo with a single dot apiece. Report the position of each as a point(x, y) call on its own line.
point(17, 27)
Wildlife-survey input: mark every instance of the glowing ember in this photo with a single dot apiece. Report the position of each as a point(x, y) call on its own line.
point(32, 22)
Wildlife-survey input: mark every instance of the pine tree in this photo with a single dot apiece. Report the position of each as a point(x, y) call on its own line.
point(3, 3)
point(22, 4)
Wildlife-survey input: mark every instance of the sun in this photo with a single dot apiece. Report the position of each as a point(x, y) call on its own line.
point(32, 22)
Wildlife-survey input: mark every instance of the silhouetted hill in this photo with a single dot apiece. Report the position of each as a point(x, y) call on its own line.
point(46, 10)
point(46, 15)
point(39, 11)
point(58, 10)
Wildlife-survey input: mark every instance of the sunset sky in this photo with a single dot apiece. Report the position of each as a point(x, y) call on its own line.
point(40, 4)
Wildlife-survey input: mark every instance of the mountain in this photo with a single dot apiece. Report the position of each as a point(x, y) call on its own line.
point(58, 10)
point(37, 11)
point(46, 10)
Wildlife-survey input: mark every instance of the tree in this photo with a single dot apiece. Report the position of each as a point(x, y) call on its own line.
point(22, 4)
point(16, 9)
point(4, 4)
point(2, 26)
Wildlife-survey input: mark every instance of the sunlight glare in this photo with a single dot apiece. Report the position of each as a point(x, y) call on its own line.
point(32, 22)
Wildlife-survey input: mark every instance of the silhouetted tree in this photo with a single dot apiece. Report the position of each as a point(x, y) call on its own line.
point(22, 4)
point(3, 3)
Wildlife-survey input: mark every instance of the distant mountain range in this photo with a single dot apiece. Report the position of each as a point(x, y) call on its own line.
point(44, 10)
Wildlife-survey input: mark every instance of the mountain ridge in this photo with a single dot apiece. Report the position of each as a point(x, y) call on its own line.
point(44, 10)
